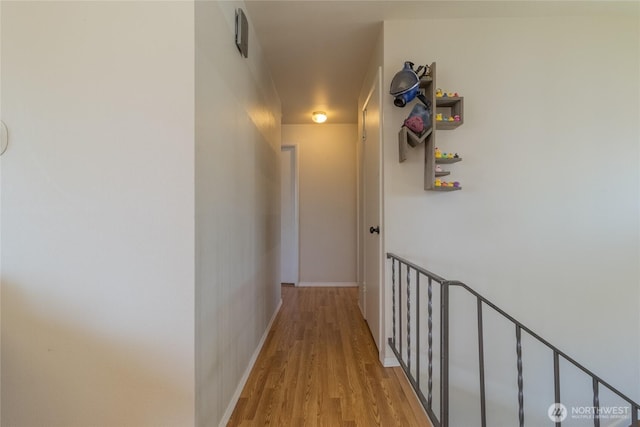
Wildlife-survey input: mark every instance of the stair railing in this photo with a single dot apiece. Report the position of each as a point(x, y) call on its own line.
point(403, 349)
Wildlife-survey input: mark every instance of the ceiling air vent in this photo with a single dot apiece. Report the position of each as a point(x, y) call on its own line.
point(242, 33)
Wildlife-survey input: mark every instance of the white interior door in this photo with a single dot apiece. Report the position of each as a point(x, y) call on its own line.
point(372, 213)
point(289, 215)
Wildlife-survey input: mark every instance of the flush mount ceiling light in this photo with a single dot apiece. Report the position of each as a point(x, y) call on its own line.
point(319, 116)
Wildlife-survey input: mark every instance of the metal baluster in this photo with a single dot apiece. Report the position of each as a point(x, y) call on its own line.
point(520, 380)
point(444, 355)
point(400, 309)
point(596, 403)
point(393, 298)
point(430, 343)
point(409, 320)
point(483, 404)
point(556, 381)
point(418, 329)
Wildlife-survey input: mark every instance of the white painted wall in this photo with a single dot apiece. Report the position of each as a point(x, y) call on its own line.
point(237, 172)
point(327, 191)
point(97, 214)
point(547, 223)
point(0, 216)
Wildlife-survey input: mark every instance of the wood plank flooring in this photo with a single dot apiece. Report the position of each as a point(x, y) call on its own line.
point(319, 367)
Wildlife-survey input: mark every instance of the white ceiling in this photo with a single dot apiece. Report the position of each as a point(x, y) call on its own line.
point(318, 51)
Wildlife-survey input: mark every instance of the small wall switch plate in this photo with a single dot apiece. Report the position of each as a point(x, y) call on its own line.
point(4, 138)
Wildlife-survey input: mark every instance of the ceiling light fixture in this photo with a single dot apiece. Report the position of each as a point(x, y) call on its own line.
point(319, 116)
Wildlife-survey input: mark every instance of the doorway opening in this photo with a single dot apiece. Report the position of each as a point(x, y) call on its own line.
point(289, 216)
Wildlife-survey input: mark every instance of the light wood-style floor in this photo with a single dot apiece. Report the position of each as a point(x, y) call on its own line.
point(319, 367)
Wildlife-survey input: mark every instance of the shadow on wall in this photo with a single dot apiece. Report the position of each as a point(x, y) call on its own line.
point(59, 374)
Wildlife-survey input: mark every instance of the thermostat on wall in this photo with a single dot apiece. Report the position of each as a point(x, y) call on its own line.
point(242, 33)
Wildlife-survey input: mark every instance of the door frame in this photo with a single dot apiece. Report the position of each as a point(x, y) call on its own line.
point(295, 189)
point(376, 84)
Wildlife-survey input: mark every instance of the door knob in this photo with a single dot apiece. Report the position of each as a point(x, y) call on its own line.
point(374, 230)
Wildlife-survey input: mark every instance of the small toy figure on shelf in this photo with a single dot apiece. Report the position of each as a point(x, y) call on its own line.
point(449, 155)
point(438, 93)
point(437, 183)
point(451, 184)
point(455, 156)
point(456, 184)
point(438, 153)
point(438, 168)
point(456, 95)
point(451, 94)
point(439, 117)
point(456, 117)
point(450, 119)
point(444, 184)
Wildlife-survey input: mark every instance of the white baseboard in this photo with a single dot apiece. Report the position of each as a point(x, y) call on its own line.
point(390, 362)
point(328, 284)
point(243, 381)
point(388, 358)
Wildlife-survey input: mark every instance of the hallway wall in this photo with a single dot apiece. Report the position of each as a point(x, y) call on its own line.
point(139, 255)
point(547, 222)
point(97, 214)
point(0, 221)
point(237, 202)
point(327, 193)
